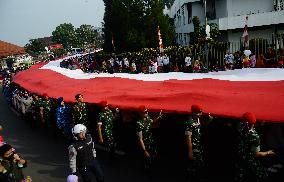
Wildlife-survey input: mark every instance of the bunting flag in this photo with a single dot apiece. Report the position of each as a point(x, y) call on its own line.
point(160, 40)
point(245, 35)
point(223, 94)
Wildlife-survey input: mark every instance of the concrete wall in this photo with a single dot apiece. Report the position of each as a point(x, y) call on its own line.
point(245, 7)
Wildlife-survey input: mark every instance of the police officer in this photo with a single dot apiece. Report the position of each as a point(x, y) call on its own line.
point(82, 156)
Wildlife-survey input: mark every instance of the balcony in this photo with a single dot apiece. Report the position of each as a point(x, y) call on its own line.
point(259, 19)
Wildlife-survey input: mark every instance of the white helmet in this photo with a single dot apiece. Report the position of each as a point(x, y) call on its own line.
point(79, 128)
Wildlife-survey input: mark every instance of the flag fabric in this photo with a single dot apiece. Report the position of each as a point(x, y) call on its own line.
point(245, 34)
point(223, 94)
point(160, 40)
point(112, 42)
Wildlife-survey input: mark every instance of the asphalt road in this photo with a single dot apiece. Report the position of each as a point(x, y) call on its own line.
point(48, 160)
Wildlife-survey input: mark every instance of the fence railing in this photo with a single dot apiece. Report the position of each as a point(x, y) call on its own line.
point(258, 46)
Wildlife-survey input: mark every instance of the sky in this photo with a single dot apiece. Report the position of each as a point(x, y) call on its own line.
point(22, 20)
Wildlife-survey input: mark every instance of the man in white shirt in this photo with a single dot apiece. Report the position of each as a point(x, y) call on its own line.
point(166, 63)
point(160, 63)
point(187, 64)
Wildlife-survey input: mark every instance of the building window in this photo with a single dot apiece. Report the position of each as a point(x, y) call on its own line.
point(179, 18)
point(182, 13)
point(211, 10)
point(180, 38)
point(189, 12)
point(185, 39)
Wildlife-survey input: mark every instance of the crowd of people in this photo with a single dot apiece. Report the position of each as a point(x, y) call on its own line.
point(83, 125)
point(244, 157)
point(161, 62)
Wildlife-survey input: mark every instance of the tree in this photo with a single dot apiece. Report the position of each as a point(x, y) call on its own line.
point(199, 33)
point(65, 34)
point(35, 46)
point(132, 24)
point(86, 34)
point(168, 3)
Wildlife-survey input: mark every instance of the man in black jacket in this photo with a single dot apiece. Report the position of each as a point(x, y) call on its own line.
point(82, 156)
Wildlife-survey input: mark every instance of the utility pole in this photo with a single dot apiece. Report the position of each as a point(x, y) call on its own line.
point(206, 44)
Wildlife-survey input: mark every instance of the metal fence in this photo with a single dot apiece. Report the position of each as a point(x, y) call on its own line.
point(258, 46)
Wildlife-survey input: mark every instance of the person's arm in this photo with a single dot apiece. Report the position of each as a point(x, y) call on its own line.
point(116, 114)
point(3, 171)
point(141, 144)
point(72, 159)
point(20, 160)
point(264, 154)
point(94, 150)
point(189, 145)
point(41, 113)
point(99, 127)
point(156, 121)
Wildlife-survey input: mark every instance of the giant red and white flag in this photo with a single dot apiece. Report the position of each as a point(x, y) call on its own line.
point(224, 93)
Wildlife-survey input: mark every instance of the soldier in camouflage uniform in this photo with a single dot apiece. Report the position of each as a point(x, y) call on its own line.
point(35, 107)
point(105, 126)
point(194, 144)
point(80, 111)
point(145, 136)
point(45, 108)
point(248, 166)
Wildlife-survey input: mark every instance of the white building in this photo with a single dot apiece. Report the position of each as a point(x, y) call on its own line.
point(265, 17)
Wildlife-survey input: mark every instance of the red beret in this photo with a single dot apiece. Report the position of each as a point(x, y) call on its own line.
point(141, 108)
point(44, 95)
point(103, 103)
point(249, 117)
point(196, 108)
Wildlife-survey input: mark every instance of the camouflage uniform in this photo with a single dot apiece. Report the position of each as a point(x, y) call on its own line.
point(144, 125)
point(106, 120)
point(46, 105)
point(248, 167)
point(80, 113)
point(193, 130)
point(35, 107)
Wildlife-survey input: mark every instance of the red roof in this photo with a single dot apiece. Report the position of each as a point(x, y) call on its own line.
point(8, 49)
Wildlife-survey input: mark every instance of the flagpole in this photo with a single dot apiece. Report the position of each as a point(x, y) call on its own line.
point(206, 44)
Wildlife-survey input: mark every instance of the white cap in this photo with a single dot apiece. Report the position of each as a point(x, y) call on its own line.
point(79, 128)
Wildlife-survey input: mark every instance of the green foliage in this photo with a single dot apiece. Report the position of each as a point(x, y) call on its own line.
point(132, 25)
point(81, 37)
point(168, 3)
point(86, 34)
point(214, 31)
point(197, 31)
point(200, 34)
point(35, 46)
point(66, 35)
point(10, 61)
point(58, 52)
